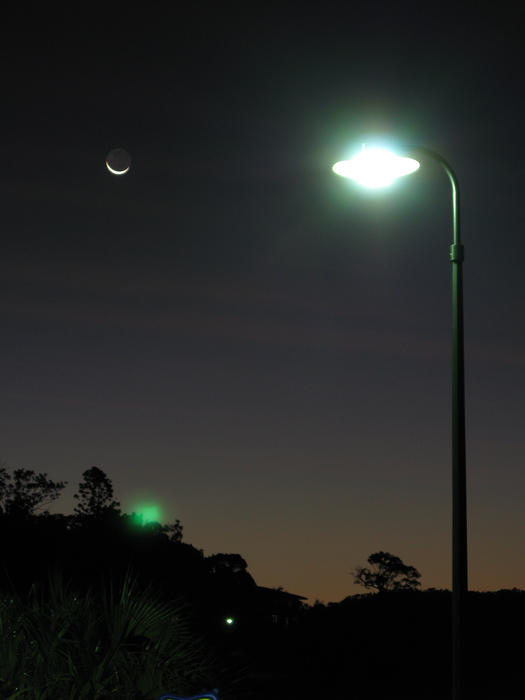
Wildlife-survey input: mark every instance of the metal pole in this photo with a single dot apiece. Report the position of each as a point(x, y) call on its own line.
point(459, 488)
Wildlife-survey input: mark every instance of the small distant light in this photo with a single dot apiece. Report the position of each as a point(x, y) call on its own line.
point(229, 620)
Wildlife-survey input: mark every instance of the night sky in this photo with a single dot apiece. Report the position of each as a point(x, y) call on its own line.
point(232, 331)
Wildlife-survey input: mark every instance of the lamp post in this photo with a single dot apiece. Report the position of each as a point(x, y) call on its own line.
point(379, 168)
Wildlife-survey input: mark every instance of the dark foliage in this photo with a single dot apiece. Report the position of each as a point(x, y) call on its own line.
point(26, 492)
point(389, 573)
point(94, 494)
point(395, 643)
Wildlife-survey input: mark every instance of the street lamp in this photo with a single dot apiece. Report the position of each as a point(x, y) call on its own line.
point(376, 167)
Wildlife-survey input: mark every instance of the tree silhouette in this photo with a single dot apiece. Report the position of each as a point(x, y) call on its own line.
point(233, 563)
point(389, 574)
point(173, 531)
point(95, 494)
point(229, 571)
point(26, 492)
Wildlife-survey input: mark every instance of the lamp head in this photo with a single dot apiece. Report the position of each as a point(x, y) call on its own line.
point(375, 167)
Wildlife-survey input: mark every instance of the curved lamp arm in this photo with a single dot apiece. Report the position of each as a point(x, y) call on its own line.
point(456, 254)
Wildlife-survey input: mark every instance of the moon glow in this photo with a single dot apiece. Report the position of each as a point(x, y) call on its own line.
point(118, 161)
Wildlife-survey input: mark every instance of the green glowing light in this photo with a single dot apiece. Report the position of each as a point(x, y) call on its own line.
point(229, 620)
point(375, 167)
point(147, 513)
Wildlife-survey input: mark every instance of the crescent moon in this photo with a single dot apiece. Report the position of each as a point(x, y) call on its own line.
point(116, 172)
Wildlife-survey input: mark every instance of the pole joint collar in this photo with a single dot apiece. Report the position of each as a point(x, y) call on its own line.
point(457, 252)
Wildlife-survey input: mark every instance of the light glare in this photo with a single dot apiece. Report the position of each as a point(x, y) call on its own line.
point(375, 167)
point(148, 513)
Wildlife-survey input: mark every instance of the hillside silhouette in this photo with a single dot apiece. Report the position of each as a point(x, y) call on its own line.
point(258, 642)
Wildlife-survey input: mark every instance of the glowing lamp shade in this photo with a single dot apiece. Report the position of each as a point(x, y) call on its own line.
point(375, 167)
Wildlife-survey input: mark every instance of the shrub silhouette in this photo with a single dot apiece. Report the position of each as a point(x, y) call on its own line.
point(56, 643)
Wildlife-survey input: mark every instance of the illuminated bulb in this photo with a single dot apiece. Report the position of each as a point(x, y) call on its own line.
point(375, 167)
